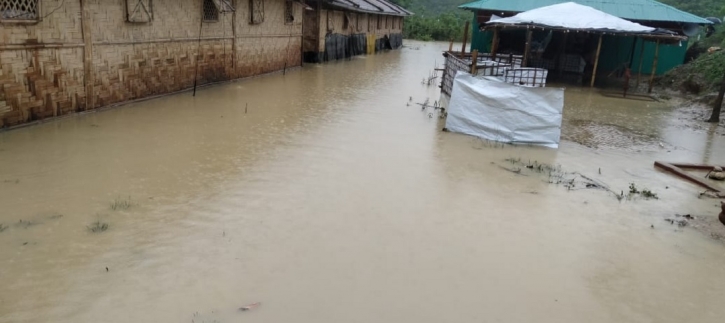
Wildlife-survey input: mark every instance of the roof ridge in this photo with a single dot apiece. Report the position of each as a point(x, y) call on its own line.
point(639, 10)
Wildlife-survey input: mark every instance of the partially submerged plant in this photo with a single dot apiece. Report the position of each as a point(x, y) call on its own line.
point(25, 224)
point(646, 193)
point(121, 204)
point(98, 226)
point(3, 227)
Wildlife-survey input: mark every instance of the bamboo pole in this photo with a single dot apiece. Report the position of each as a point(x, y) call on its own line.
point(525, 62)
point(641, 62)
point(654, 67)
point(474, 61)
point(234, 40)
point(596, 61)
point(88, 78)
point(465, 38)
point(494, 44)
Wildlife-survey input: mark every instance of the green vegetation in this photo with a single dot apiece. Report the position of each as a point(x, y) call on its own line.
point(121, 204)
point(435, 19)
point(98, 227)
point(701, 75)
point(645, 193)
point(703, 71)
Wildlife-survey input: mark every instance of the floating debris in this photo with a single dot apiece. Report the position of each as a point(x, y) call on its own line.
point(250, 307)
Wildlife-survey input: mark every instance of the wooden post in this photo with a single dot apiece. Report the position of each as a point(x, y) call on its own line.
point(494, 44)
point(88, 77)
point(596, 61)
point(234, 40)
point(474, 61)
point(525, 62)
point(465, 38)
point(654, 67)
point(450, 46)
point(715, 117)
point(641, 62)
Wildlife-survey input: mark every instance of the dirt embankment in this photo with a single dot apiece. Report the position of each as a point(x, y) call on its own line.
point(700, 78)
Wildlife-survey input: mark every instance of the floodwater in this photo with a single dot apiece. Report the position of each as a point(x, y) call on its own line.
point(332, 200)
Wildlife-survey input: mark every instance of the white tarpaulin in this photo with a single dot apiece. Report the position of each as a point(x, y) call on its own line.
point(495, 110)
point(572, 15)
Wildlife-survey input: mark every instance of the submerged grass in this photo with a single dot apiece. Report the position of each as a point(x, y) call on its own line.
point(121, 204)
point(98, 226)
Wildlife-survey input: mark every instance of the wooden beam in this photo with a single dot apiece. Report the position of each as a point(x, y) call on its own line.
point(654, 67)
point(494, 44)
point(675, 169)
point(474, 62)
point(234, 39)
point(525, 62)
point(596, 61)
point(88, 77)
point(465, 38)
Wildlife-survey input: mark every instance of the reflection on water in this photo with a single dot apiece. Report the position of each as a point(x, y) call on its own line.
point(332, 200)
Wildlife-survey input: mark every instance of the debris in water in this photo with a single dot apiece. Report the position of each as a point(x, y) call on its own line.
point(250, 307)
point(106, 269)
point(3, 227)
point(652, 226)
point(716, 173)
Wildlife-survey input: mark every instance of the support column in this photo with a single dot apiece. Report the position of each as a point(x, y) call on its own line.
point(234, 40)
point(494, 44)
point(525, 62)
point(88, 75)
point(474, 62)
point(596, 61)
point(465, 38)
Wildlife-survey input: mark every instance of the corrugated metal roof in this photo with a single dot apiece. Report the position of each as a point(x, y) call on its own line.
point(641, 10)
point(381, 7)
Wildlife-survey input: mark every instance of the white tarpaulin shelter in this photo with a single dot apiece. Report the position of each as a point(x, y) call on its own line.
point(572, 15)
point(492, 109)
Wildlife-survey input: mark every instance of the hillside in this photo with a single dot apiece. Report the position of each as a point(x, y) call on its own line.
point(431, 6)
point(435, 19)
point(702, 8)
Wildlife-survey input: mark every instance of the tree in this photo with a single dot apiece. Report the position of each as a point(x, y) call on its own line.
point(715, 117)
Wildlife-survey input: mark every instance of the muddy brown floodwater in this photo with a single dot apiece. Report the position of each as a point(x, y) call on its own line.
point(331, 200)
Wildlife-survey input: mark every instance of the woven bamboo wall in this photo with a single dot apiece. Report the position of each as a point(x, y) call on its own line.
point(71, 61)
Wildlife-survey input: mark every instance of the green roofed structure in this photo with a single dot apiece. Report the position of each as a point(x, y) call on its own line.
point(617, 52)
